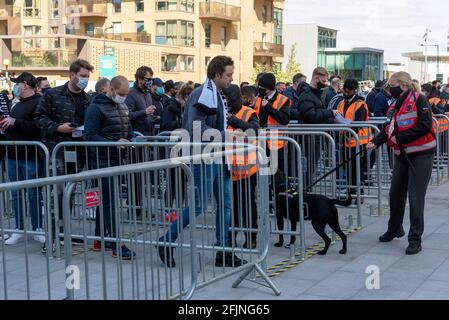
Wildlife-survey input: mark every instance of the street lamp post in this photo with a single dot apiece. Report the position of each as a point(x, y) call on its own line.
point(104, 38)
point(438, 55)
point(6, 63)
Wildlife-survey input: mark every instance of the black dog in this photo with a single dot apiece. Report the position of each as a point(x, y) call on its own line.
point(321, 210)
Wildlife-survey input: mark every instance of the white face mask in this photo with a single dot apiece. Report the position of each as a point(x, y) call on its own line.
point(119, 99)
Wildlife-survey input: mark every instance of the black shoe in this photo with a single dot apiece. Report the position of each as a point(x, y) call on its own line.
point(166, 255)
point(123, 252)
point(413, 248)
point(44, 249)
point(229, 260)
point(388, 236)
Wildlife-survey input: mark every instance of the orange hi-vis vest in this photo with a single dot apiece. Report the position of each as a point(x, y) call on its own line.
point(442, 122)
point(244, 165)
point(404, 119)
point(365, 134)
point(280, 101)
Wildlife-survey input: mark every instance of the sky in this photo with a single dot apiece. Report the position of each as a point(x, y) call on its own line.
point(395, 26)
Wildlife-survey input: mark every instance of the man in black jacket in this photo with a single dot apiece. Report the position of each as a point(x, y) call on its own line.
point(140, 104)
point(60, 117)
point(107, 120)
point(313, 111)
point(23, 161)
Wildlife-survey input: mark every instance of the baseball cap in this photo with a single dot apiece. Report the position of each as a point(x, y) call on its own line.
point(26, 77)
point(158, 82)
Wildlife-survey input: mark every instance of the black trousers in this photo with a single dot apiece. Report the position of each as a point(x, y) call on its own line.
point(415, 186)
point(244, 204)
point(351, 168)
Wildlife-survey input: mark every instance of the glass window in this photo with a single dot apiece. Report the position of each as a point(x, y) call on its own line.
point(32, 8)
point(172, 5)
point(32, 43)
point(172, 32)
point(161, 32)
point(140, 26)
point(140, 5)
point(207, 60)
point(117, 27)
point(264, 14)
point(169, 62)
point(89, 28)
point(223, 39)
point(117, 6)
point(208, 34)
point(55, 9)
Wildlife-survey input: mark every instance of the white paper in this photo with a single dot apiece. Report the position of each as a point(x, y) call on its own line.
point(78, 133)
point(340, 120)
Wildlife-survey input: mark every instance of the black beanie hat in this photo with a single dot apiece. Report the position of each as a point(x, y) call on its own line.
point(268, 81)
point(234, 97)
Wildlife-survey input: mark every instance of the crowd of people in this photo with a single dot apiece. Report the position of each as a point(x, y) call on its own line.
point(115, 112)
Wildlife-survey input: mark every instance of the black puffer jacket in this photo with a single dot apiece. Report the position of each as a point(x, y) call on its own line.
point(311, 108)
point(171, 116)
point(57, 107)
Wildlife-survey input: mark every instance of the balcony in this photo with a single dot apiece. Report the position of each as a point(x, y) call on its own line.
point(219, 11)
point(39, 58)
point(88, 9)
point(141, 37)
point(265, 49)
point(9, 11)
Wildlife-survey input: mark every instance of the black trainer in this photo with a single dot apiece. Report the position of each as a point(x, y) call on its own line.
point(229, 260)
point(388, 236)
point(166, 254)
point(413, 248)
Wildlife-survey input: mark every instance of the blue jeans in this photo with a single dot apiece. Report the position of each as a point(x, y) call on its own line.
point(19, 170)
point(207, 181)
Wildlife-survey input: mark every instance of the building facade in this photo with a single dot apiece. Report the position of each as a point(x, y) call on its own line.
point(317, 47)
point(177, 38)
point(437, 66)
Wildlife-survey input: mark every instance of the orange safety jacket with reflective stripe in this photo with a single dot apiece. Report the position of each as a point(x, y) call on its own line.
point(404, 119)
point(280, 101)
point(244, 165)
point(365, 135)
point(442, 123)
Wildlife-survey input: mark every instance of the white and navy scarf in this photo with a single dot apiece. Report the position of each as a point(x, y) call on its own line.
point(208, 98)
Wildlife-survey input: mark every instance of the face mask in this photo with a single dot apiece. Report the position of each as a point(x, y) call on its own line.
point(147, 84)
point(119, 99)
point(262, 92)
point(16, 90)
point(160, 91)
point(45, 90)
point(82, 83)
point(321, 85)
point(396, 92)
point(348, 97)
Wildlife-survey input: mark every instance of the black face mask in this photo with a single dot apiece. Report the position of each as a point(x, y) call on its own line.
point(348, 97)
point(262, 92)
point(396, 92)
point(320, 85)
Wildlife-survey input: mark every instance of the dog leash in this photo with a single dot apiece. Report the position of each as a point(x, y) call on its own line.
point(335, 169)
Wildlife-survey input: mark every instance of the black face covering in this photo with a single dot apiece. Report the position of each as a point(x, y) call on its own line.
point(320, 85)
point(348, 97)
point(396, 92)
point(262, 92)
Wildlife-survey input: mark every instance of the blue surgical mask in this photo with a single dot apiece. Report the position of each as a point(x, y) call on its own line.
point(16, 90)
point(82, 83)
point(160, 91)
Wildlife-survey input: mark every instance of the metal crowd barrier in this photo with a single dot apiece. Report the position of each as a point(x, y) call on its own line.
point(102, 190)
point(441, 166)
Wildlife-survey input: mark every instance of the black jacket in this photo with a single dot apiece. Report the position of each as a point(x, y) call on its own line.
point(24, 128)
point(171, 116)
point(311, 108)
point(422, 128)
point(137, 102)
point(282, 116)
point(55, 108)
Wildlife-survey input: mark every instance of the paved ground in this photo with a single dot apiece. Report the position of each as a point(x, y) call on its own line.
point(425, 276)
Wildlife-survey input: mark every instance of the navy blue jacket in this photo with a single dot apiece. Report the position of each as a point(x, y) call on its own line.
point(381, 103)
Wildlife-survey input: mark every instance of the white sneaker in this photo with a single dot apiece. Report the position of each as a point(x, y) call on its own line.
point(6, 237)
point(39, 238)
point(14, 239)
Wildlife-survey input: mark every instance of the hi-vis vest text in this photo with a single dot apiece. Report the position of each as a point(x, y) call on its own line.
point(364, 134)
point(405, 119)
point(442, 122)
point(244, 164)
point(277, 104)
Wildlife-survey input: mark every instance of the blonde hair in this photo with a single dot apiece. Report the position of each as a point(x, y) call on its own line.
point(416, 86)
point(402, 77)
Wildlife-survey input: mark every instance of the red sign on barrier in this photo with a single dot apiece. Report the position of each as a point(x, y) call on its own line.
point(92, 199)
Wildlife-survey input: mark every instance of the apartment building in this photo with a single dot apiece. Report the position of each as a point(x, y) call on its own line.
point(177, 38)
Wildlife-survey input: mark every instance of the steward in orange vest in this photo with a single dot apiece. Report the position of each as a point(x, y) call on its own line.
point(354, 108)
point(244, 167)
point(272, 108)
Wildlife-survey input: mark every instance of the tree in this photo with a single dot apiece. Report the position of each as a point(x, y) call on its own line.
point(291, 69)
